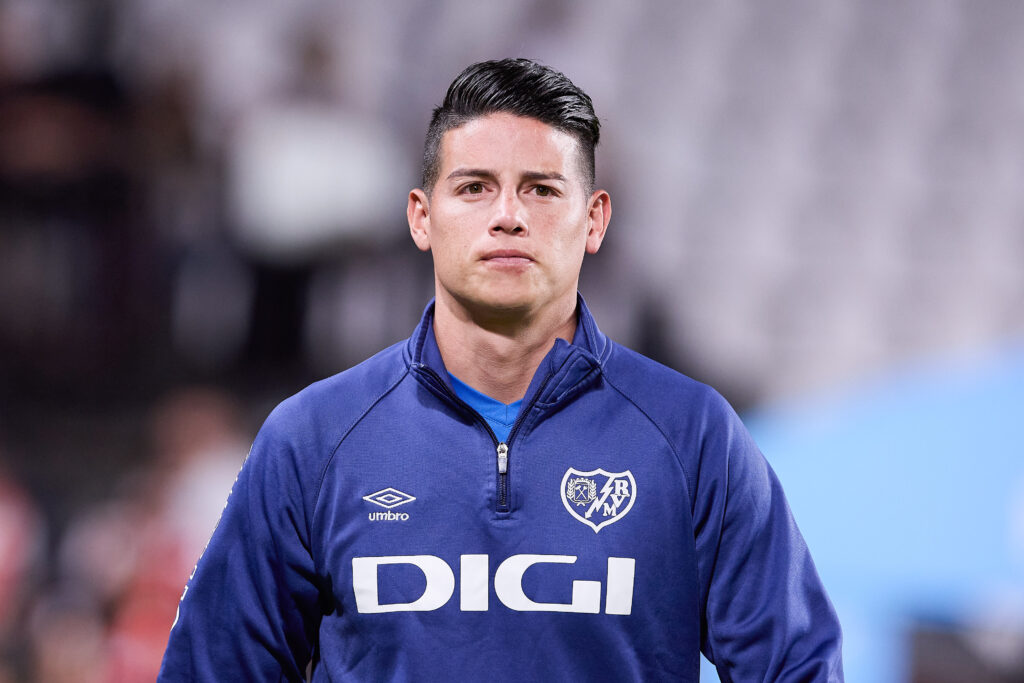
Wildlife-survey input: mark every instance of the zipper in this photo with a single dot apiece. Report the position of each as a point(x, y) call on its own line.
point(502, 458)
point(501, 447)
point(501, 504)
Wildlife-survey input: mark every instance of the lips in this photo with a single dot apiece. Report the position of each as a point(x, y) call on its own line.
point(507, 256)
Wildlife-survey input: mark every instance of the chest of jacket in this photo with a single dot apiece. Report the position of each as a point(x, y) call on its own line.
point(595, 520)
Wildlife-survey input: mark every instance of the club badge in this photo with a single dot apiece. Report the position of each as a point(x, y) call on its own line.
point(598, 498)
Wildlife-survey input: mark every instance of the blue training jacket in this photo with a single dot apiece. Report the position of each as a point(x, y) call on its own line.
point(380, 531)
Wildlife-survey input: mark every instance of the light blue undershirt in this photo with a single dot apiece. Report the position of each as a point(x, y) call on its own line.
point(499, 416)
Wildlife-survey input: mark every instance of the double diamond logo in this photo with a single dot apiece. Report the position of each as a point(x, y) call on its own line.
point(389, 498)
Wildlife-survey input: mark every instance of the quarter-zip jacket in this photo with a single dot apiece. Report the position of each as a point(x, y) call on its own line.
point(379, 530)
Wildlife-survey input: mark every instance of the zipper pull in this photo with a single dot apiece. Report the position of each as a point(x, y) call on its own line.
point(502, 458)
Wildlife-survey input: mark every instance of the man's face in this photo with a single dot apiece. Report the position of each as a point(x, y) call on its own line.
point(509, 218)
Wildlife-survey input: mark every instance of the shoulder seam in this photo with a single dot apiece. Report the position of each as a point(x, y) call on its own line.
point(347, 431)
point(682, 466)
point(686, 477)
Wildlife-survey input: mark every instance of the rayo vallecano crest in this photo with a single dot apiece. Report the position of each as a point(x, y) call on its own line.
point(598, 498)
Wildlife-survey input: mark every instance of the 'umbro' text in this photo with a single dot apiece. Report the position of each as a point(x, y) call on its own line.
point(388, 516)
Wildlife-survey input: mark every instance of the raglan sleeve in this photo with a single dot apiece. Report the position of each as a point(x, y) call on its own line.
point(766, 615)
point(250, 610)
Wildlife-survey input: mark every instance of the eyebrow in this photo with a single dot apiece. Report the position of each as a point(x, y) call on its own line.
point(470, 173)
point(484, 173)
point(537, 175)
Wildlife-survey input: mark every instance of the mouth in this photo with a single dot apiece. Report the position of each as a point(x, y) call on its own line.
point(509, 257)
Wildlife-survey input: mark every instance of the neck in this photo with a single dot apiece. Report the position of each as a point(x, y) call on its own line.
point(496, 353)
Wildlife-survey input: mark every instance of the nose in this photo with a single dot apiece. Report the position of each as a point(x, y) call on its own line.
point(509, 216)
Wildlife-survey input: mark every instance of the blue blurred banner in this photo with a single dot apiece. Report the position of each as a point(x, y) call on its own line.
point(910, 492)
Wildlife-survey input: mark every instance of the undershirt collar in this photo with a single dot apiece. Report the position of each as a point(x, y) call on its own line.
point(499, 416)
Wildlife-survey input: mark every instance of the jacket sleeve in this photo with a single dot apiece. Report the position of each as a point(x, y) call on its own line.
point(250, 611)
point(766, 614)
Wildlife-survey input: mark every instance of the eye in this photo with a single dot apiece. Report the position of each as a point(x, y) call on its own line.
point(544, 191)
point(473, 188)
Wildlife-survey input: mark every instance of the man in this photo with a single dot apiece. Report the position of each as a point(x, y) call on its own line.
point(508, 495)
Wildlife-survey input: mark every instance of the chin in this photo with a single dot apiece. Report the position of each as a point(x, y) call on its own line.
point(502, 303)
point(507, 305)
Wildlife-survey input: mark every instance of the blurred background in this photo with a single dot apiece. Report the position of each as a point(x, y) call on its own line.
point(818, 210)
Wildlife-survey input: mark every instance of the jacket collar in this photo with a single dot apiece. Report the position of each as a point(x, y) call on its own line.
point(563, 369)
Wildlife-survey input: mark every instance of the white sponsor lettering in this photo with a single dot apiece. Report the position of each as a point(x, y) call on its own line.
point(440, 583)
point(508, 585)
point(620, 585)
point(473, 583)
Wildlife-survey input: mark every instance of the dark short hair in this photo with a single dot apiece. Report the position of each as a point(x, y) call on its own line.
point(515, 86)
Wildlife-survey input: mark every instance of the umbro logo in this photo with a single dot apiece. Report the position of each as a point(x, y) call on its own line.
point(389, 498)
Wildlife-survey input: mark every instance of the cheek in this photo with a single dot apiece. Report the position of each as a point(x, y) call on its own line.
point(440, 233)
point(453, 246)
point(449, 247)
point(572, 241)
point(449, 226)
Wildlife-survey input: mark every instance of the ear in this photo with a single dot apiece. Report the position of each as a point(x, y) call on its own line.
point(599, 212)
point(418, 213)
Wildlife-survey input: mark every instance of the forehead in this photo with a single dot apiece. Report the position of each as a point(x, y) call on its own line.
point(507, 142)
